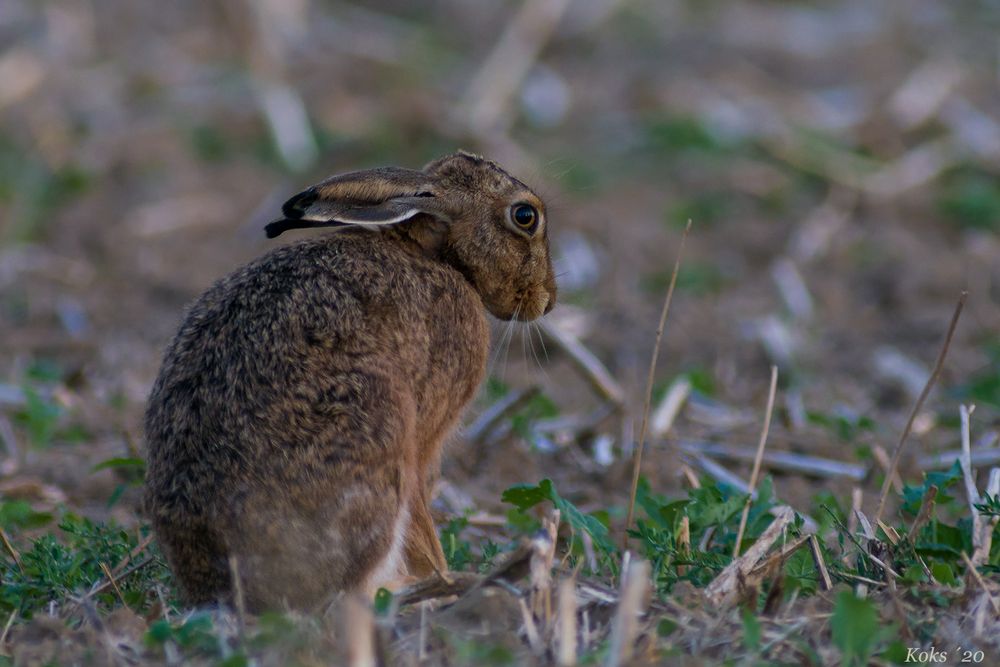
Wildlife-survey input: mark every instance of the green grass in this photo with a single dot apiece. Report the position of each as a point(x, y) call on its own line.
point(970, 199)
point(65, 564)
point(63, 567)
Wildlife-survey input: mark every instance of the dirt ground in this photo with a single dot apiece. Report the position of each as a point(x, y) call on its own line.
point(840, 163)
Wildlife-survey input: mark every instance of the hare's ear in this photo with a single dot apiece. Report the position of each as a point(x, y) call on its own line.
point(369, 199)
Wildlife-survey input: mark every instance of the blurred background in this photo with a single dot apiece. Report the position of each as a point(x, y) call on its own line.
point(839, 162)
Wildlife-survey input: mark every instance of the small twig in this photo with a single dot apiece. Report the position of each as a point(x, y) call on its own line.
point(861, 579)
point(757, 459)
point(360, 632)
point(979, 457)
point(689, 476)
point(889, 572)
point(719, 473)
point(882, 458)
point(114, 584)
point(239, 599)
point(584, 360)
point(566, 633)
point(625, 625)
point(127, 573)
point(9, 441)
point(869, 534)
point(493, 415)
point(683, 542)
point(781, 555)
point(969, 478)
point(543, 547)
point(897, 452)
point(982, 552)
point(530, 628)
point(11, 550)
point(133, 555)
point(820, 563)
point(574, 425)
point(666, 412)
point(891, 533)
point(637, 455)
point(866, 525)
point(724, 587)
point(164, 607)
point(857, 498)
point(422, 635)
point(588, 551)
point(486, 101)
point(801, 463)
point(512, 566)
point(792, 288)
point(923, 516)
point(982, 583)
point(6, 628)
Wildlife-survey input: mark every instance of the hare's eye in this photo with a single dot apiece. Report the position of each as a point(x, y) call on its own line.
point(524, 217)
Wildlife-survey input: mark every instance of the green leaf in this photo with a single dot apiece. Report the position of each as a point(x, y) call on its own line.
point(235, 660)
point(44, 370)
point(710, 507)
point(159, 632)
point(800, 572)
point(665, 627)
point(847, 428)
point(672, 512)
point(650, 503)
point(458, 552)
point(126, 462)
point(39, 417)
point(990, 505)
point(943, 541)
point(383, 601)
point(20, 514)
point(914, 574)
point(943, 573)
point(896, 652)
point(855, 627)
point(525, 497)
point(913, 496)
point(591, 525)
point(751, 631)
point(971, 199)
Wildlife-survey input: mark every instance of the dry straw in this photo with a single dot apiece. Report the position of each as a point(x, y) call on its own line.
point(637, 456)
point(919, 404)
point(757, 459)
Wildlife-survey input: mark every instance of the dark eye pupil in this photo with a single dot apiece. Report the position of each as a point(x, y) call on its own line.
point(524, 216)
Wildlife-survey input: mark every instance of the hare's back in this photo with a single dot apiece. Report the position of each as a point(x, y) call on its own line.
point(255, 350)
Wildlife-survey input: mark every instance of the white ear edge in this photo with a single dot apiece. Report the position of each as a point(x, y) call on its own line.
point(367, 224)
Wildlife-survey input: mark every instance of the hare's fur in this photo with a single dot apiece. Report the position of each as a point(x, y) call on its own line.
point(296, 426)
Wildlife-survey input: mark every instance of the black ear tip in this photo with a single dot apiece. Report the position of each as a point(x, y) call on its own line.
point(297, 205)
point(273, 229)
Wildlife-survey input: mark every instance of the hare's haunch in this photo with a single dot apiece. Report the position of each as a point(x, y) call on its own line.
point(297, 422)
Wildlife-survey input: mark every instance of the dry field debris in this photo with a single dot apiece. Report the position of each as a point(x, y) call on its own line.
point(792, 459)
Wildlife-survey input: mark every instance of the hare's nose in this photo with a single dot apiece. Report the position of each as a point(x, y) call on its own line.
point(549, 305)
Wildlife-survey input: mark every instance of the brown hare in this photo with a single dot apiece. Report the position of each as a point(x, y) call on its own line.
point(297, 422)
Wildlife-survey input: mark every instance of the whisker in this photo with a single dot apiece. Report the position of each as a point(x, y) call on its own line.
point(524, 352)
point(509, 336)
point(534, 354)
point(501, 348)
point(541, 339)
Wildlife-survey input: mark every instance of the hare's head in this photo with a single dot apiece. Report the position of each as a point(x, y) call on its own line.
point(467, 210)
